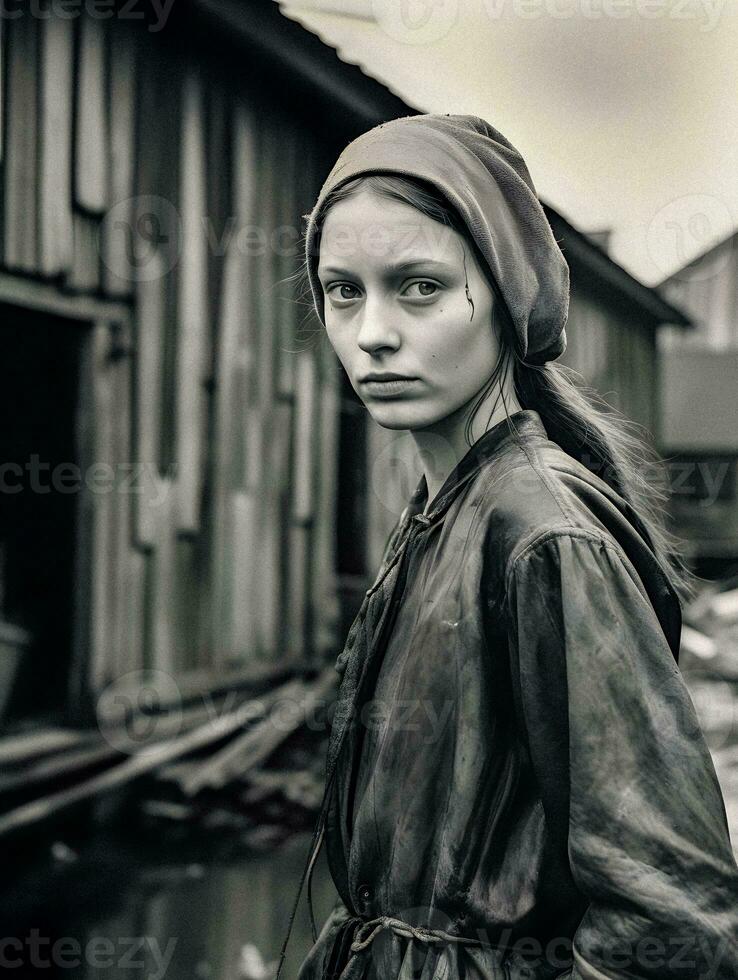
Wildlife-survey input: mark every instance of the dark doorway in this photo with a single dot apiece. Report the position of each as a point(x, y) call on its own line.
point(40, 481)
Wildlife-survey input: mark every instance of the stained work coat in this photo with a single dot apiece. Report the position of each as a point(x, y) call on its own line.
point(514, 756)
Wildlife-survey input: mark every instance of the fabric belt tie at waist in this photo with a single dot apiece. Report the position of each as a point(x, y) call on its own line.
point(375, 926)
point(367, 929)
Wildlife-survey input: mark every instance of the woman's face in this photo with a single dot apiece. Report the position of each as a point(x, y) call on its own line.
point(396, 304)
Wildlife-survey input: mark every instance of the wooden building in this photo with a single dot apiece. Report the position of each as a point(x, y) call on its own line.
point(613, 326)
point(178, 434)
point(699, 407)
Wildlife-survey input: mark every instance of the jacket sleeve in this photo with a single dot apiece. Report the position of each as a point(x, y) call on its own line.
point(616, 745)
point(314, 964)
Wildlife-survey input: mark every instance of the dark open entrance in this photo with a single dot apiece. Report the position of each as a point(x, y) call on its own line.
point(40, 481)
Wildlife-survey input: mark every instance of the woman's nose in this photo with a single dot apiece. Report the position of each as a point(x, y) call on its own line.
point(376, 330)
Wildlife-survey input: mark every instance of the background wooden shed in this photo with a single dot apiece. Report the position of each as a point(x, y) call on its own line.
point(699, 407)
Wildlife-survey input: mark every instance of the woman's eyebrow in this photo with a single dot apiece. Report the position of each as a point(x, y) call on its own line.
point(393, 269)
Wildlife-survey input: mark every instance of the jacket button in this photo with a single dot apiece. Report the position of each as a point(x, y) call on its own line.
point(365, 893)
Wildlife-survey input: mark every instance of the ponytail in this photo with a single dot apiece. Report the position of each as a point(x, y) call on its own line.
point(612, 446)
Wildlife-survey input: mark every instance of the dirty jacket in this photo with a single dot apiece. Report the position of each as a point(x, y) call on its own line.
point(517, 784)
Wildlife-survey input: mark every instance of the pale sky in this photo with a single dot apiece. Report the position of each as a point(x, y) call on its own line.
point(626, 111)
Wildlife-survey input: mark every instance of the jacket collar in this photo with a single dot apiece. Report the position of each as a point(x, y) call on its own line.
point(527, 423)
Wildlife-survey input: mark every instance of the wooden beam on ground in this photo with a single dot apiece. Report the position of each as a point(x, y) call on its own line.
point(138, 765)
point(257, 744)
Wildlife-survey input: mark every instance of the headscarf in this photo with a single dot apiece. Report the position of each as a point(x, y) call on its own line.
point(485, 178)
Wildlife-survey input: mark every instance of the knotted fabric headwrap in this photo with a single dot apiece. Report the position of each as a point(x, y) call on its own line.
point(485, 178)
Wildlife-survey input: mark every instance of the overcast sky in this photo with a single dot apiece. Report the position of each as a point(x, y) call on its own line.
point(626, 111)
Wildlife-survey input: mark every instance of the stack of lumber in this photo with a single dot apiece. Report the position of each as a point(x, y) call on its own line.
point(264, 783)
point(194, 763)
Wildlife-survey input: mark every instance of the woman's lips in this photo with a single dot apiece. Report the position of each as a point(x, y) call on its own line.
point(389, 389)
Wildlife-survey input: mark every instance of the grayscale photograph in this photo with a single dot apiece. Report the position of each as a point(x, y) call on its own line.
point(369, 489)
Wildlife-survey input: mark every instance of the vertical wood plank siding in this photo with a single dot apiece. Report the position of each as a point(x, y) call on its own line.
point(116, 240)
point(192, 321)
point(265, 458)
point(149, 323)
point(234, 509)
point(20, 169)
point(707, 289)
point(91, 117)
point(55, 150)
point(615, 351)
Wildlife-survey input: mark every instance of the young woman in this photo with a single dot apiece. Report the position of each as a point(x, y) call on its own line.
point(517, 785)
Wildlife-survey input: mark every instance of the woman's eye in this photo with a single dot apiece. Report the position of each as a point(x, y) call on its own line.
point(426, 288)
point(342, 291)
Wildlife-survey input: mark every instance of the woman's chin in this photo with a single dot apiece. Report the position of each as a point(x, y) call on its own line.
point(401, 416)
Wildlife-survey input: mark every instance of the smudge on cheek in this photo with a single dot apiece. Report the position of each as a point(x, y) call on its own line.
point(466, 285)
